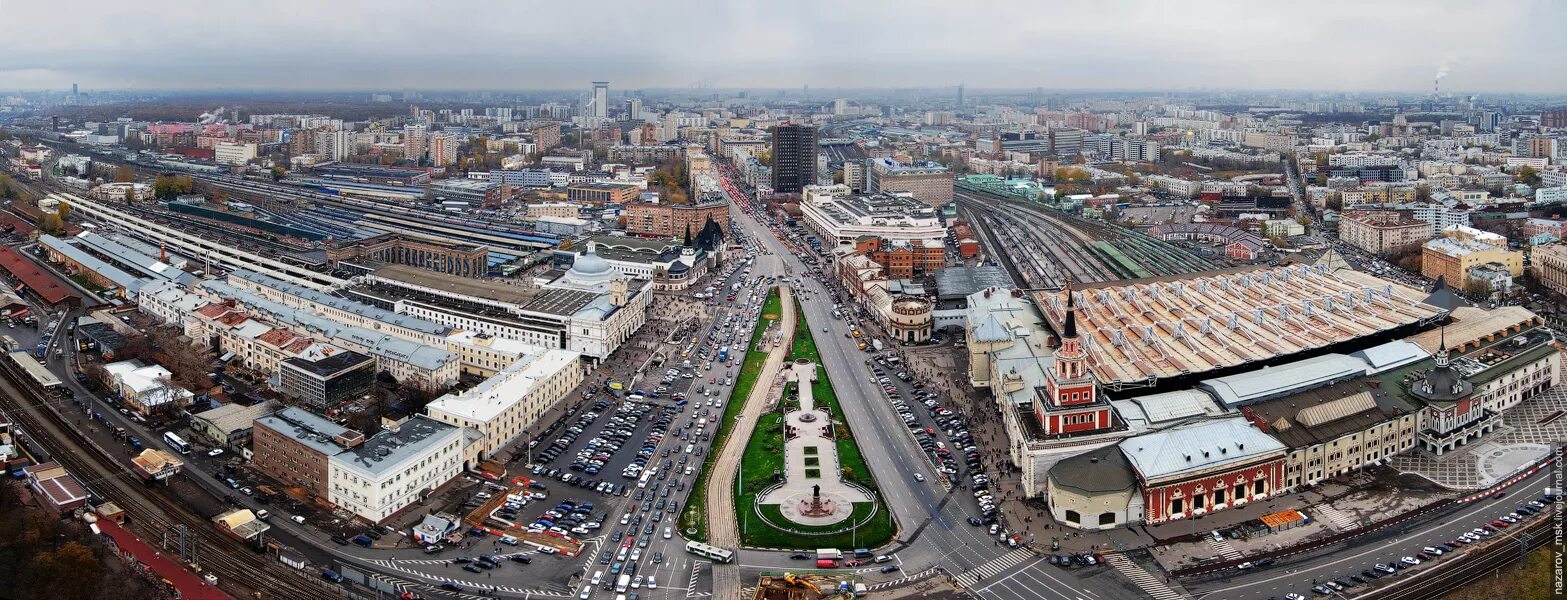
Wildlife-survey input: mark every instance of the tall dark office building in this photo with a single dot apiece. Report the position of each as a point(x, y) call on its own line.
point(794, 158)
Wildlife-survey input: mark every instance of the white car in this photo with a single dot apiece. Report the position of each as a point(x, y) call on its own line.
point(651, 584)
point(919, 477)
point(216, 452)
point(668, 533)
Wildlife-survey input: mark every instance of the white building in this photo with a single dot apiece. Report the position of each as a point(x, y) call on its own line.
point(169, 302)
point(511, 400)
point(230, 153)
point(395, 468)
point(837, 216)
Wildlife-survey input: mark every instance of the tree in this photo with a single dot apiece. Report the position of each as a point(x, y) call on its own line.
point(51, 224)
point(64, 210)
point(1527, 175)
point(130, 195)
point(125, 174)
point(1410, 262)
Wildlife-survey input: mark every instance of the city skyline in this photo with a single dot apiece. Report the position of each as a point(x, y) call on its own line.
point(1393, 46)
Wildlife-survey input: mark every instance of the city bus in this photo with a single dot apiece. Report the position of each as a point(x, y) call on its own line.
point(176, 443)
point(711, 552)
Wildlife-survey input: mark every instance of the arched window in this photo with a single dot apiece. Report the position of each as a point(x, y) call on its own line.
point(1073, 517)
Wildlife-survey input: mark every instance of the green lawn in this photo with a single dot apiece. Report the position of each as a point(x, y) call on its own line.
point(764, 456)
point(695, 516)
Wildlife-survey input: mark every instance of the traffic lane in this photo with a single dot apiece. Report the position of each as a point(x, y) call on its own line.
point(1338, 565)
point(1026, 581)
point(902, 492)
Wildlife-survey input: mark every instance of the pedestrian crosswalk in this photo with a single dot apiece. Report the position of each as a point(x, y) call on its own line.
point(909, 578)
point(995, 566)
point(1336, 518)
point(402, 566)
point(1151, 585)
point(696, 573)
point(1223, 547)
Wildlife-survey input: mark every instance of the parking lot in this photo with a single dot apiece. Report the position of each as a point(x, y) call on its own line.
point(616, 472)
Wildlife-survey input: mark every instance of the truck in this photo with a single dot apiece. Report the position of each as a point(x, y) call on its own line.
point(876, 344)
point(829, 554)
point(723, 353)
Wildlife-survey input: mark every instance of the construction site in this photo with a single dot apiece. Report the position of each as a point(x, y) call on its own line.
point(790, 586)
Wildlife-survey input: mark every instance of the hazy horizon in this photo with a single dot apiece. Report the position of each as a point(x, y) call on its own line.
point(1398, 46)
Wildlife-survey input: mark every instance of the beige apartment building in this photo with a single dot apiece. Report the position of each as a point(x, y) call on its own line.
point(1462, 248)
point(1550, 266)
point(1382, 232)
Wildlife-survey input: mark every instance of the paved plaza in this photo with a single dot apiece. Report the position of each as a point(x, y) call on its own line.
point(813, 492)
point(1522, 440)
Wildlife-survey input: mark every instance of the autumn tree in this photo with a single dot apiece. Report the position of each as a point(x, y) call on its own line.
point(51, 224)
point(125, 174)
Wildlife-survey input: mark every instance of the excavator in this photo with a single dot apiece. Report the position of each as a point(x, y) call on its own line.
point(841, 593)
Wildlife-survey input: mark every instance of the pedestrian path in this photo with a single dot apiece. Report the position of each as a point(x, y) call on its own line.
point(1224, 548)
point(1151, 585)
point(996, 566)
point(1335, 517)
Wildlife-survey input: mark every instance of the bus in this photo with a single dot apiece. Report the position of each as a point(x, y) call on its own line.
point(176, 443)
point(711, 552)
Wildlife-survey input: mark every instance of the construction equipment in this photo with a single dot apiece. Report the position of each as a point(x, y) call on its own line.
point(793, 580)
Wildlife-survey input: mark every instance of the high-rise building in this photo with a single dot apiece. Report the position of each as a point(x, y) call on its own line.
point(443, 149)
point(634, 109)
point(840, 106)
point(960, 94)
point(414, 141)
point(794, 158)
point(600, 99)
point(74, 90)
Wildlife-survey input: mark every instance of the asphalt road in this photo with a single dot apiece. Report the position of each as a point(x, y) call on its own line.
point(1298, 577)
point(933, 531)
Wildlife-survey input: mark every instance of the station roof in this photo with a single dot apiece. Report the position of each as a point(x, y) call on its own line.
point(1197, 447)
point(1138, 332)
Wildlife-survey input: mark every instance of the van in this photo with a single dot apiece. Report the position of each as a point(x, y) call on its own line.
point(623, 583)
point(598, 577)
point(362, 540)
point(263, 514)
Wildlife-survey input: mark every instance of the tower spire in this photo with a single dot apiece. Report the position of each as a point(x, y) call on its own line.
point(1069, 328)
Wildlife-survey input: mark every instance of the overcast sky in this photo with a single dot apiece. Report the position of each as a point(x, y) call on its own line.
point(1490, 46)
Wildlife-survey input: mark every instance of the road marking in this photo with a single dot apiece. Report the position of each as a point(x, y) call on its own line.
point(1150, 584)
point(995, 566)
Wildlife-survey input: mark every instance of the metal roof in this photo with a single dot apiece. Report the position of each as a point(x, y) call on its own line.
point(1197, 447)
point(1271, 382)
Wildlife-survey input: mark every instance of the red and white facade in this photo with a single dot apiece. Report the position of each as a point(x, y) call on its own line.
point(1224, 487)
point(1192, 470)
point(1069, 403)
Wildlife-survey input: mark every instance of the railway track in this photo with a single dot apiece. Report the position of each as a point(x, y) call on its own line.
point(1051, 237)
point(1442, 582)
point(108, 476)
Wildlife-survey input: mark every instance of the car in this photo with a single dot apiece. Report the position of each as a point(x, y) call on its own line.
point(451, 587)
point(1386, 568)
point(800, 556)
point(1409, 560)
point(472, 568)
point(975, 521)
point(891, 569)
point(919, 477)
point(1294, 596)
point(883, 558)
point(215, 452)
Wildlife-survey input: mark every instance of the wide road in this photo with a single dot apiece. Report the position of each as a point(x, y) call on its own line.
point(1361, 554)
point(933, 532)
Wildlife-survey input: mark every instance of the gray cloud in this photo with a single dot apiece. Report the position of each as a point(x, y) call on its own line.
point(1499, 46)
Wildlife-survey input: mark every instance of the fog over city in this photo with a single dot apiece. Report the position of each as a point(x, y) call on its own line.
point(1506, 46)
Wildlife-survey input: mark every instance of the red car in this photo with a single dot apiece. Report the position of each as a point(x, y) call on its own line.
point(1500, 523)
